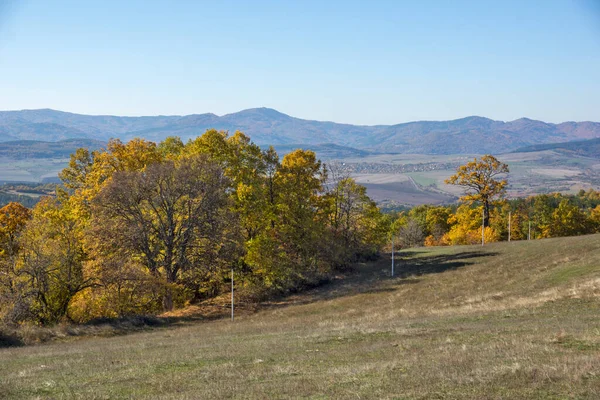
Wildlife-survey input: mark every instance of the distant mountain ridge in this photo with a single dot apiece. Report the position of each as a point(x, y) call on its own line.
point(585, 148)
point(270, 127)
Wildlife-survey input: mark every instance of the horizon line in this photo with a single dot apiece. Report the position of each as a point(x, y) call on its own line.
point(290, 116)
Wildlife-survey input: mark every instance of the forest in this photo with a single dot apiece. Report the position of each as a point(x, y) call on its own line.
point(535, 217)
point(141, 228)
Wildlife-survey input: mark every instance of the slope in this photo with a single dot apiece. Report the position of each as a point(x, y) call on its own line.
point(585, 148)
point(33, 149)
point(510, 320)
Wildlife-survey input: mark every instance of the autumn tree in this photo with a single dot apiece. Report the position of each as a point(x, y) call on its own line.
point(411, 234)
point(290, 250)
point(465, 227)
point(542, 210)
point(569, 220)
point(49, 271)
point(88, 171)
point(595, 219)
point(436, 219)
point(172, 217)
point(13, 219)
point(141, 227)
point(245, 165)
point(356, 225)
point(481, 183)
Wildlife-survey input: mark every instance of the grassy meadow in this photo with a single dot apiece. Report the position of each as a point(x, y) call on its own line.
point(508, 320)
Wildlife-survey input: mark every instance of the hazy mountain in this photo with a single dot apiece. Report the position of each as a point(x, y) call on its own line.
point(267, 126)
point(586, 148)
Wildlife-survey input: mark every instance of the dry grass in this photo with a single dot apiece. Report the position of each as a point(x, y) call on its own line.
point(511, 320)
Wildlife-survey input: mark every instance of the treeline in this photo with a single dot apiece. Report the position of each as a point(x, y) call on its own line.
point(7, 198)
point(142, 227)
point(535, 217)
point(27, 194)
point(35, 149)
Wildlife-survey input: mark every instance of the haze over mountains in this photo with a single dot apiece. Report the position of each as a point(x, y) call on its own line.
point(471, 135)
point(585, 148)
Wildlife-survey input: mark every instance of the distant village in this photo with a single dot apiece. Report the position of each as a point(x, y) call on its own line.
point(383, 168)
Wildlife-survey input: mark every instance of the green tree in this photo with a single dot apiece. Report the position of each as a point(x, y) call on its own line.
point(568, 220)
point(357, 227)
point(291, 251)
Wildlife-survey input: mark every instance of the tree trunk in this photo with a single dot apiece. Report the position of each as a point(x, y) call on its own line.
point(171, 274)
point(168, 299)
point(486, 214)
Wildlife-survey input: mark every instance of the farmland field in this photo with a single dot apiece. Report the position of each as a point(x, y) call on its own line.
point(531, 173)
point(408, 179)
point(30, 170)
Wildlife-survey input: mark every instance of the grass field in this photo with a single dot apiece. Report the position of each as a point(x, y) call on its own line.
point(510, 320)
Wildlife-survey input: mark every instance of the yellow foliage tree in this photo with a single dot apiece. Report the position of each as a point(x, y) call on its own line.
point(50, 267)
point(479, 178)
point(466, 228)
point(595, 218)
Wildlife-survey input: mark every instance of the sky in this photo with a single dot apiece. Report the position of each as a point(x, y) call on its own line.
point(360, 62)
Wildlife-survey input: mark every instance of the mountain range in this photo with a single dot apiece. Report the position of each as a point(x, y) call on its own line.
point(470, 135)
point(586, 148)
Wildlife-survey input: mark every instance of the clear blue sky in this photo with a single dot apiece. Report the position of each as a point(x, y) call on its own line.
point(364, 62)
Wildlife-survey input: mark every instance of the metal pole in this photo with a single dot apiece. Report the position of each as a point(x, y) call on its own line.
point(392, 256)
point(232, 294)
point(509, 226)
point(482, 226)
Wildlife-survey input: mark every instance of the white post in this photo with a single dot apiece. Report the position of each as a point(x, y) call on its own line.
point(392, 256)
point(482, 226)
point(232, 294)
point(509, 226)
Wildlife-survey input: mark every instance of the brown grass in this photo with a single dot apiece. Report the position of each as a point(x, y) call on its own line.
point(510, 320)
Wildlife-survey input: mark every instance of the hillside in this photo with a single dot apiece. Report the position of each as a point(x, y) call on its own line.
point(471, 135)
point(33, 149)
point(509, 320)
point(585, 148)
point(324, 151)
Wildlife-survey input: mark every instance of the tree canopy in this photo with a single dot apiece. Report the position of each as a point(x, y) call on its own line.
point(142, 227)
point(479, 178)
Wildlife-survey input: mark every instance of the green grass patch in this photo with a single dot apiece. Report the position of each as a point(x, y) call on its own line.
point(423, 180)
point(571, 272)
point(570, 342)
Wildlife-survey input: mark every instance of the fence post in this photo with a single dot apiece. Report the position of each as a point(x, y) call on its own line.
point(482, 226)
point(509, 226)
point(392, 256)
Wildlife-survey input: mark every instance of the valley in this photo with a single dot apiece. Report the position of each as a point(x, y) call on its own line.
point(401, 165)
point(387, 176)
point(397, 179)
